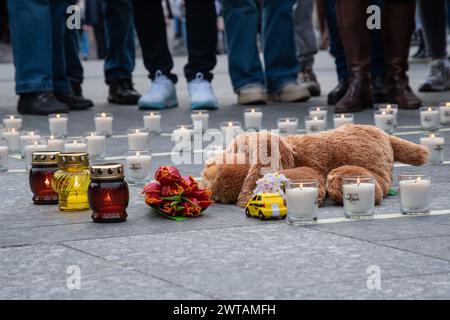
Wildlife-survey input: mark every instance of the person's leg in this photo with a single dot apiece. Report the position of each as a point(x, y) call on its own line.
point(34, 56)
point(279, 51)
point(241, 18)
point(306, 43)
point(434, 27)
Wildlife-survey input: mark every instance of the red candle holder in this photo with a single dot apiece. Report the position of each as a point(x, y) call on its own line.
point(108, 193)
point(43, 166)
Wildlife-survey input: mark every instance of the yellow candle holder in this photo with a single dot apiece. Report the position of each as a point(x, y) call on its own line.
point(71, 181)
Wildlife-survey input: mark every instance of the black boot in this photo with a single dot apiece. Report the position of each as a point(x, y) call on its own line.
point(40, 103)
point(380, 90)
point(338, 92)
point(123, 92)
point(74, 102)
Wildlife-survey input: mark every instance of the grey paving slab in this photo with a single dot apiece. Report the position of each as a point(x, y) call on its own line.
point(41, 272)
point(262, 263)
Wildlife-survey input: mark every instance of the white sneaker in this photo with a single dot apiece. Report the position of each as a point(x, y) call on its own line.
point(201, 93)
point(162, 94)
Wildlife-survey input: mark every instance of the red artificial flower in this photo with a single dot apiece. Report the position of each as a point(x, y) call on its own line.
point(190, 210)
point(168, 208)
point(171, 190)
point(153, 193)
point(167, 175)
point(189, 184)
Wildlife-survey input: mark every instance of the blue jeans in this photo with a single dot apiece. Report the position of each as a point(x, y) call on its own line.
point(241, 26)
point(37, 29)
point(74, 68)
point(377, 67)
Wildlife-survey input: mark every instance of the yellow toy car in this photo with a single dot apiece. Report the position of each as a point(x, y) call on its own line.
point(266, 205)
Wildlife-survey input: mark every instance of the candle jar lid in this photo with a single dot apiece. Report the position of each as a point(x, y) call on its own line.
point(73, 159)
point(45, 157)
point(107, 171)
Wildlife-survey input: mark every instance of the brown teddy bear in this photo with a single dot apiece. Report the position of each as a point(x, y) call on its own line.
point(350, 150)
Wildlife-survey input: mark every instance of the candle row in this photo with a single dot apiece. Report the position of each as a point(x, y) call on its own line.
point(358, 197)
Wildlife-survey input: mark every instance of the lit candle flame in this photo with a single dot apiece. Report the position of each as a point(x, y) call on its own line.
point(253, 110)
point(47, 182)
point(138, 154)
point(103, 115)
point(383, 113)
point(430, 109)
point(52, 137)
point(76, 184)
point(318, 109)
point(315, 118)
point(58, 115)
point(358, 181)
point(152, 114)
point(287, 120)
point(31, 133)
point(433, 136)
point(301, 186)
point(11, 117)
point(388, 106)
point(342, 116)
point(35, 143)
point(418, 179)
point(230, 124)
point(13, 130)
point(447, 104)
point(92, 134)
point(108, 199)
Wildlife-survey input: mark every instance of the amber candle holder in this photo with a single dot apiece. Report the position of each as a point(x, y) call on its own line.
point(108, 193)
point(43, 167)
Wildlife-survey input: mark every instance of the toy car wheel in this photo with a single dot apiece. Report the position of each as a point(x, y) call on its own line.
point(247, 213)
point(261, 216)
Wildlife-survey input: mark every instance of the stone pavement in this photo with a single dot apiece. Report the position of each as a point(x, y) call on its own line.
point(222, 255)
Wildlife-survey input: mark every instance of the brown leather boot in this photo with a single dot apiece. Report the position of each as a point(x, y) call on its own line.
point(355, 39)
point(398, 27)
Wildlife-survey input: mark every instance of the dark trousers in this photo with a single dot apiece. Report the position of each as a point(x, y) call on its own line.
point(201, 24)
point(377, 67)
point(433, 17)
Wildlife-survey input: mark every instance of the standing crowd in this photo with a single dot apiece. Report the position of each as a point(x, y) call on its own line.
point(371, 64)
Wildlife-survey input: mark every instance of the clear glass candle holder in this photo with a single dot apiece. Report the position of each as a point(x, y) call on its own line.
point(4, 151)
point(389, 107)
point(32, 146)
point(182, 137)
point(57, 123)
point(152, 122)
point(435, 143)
point(358, 195)
point(104, 123)
point(302, 202)
point(444, 113)
point(96, 145)
point(138, 139)
point(288, 126)
point(75, 144)
point(13, 121)
point(429, 118)
point(137, 166)
point(55, 143)
point(385, 120)
point(12, 137)
point(25, 136)
point(315, 124)
point(415, 193)
point(230, 129)
point(318, 111)
point(200, 120)
point(253, 118)
point(341, 119)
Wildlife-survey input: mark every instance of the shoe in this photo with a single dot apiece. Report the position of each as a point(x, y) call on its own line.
point(439, 77)
point(421, 55)
point(338, 92)
point(75, 103)
point(379, 89)
point(162, 94)
point(76, 89)
point(350, 15)
point(308, 79)
point(201, 93)
point(123, 92)
point(290, 92)
point(253, 93)
point(398, 26)
point(40, 103)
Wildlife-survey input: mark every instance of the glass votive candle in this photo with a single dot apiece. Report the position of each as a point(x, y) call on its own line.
point(200, 120)
point(341, 119)
point(444, 113)
point(137, 166)
point(12, 137)
point(253, 118)
point(138, 139)
point(104, 123)
point(108, 193)
point(75, 144)
point(182, 137)
point(57, 123)
point(435, 144)
point(385, 121)
point(13, 121)
point(31, 147)
point(28, 136)
point(71, 181)
point(152, 122)
point(288, 126)
point(43, 166)
point(96, 144)
point(390, 107)
point(358, 195)
point(55, 143)
point(301, 201)
point(315, 124)
point(414, 190)
point(230, 129)
point(3, 155)
point(429, 118)
point(318, 112)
